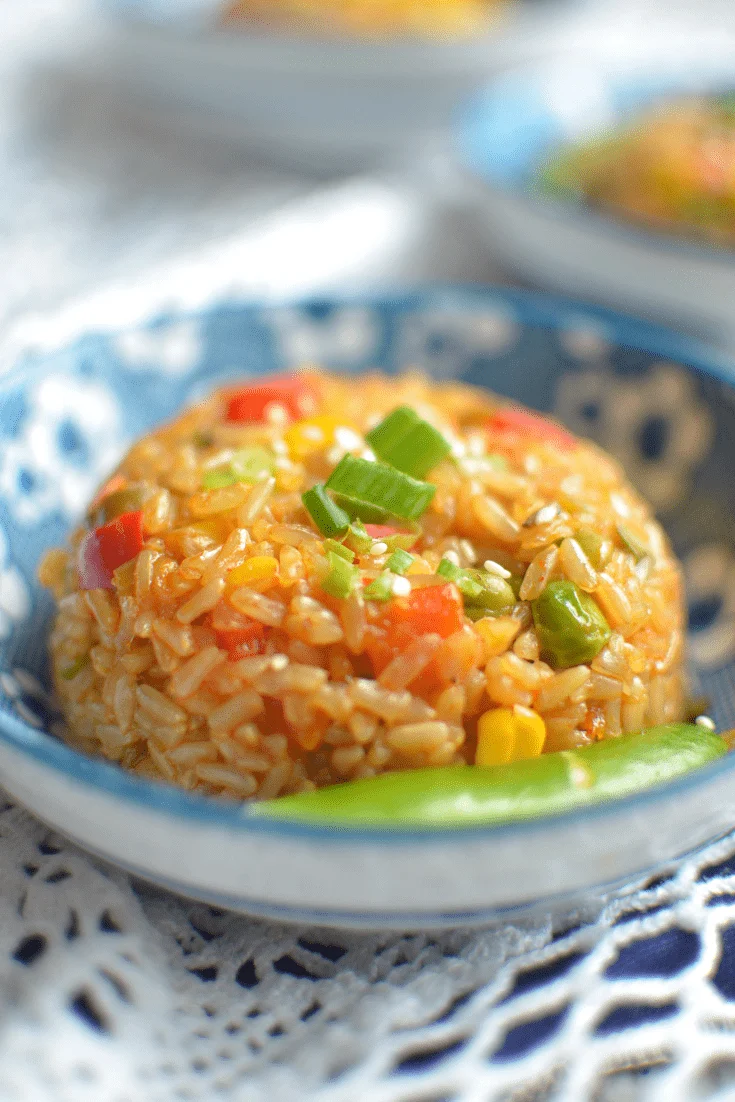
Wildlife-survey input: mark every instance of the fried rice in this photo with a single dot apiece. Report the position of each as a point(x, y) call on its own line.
point(223, 657)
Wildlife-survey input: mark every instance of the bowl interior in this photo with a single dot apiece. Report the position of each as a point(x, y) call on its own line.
point(661, 405)
point(508, 131)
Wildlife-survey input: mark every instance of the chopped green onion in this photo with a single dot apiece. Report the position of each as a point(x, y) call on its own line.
point(591, 543)
point(357, 538)
point(328, 517)
point(70, 672)
point(632, 543)
point(368, 488)
point(449, 570)
point(381, 589)
point(341, 577)
point(246, 465)
point(408, 443)
point(399, 561)
point(357, 509)
point(339, 549)
point(401, 540)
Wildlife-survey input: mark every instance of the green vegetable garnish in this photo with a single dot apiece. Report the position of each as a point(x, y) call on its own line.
point(399, 561)
point(372, 491)
point(114, 505)
point(467, 795)
point(636, 547)
point(379, 590)
point(246, 465)
point(449, 570)
point(326, 514)
point(591, 544)
point(70, 672)
point(339, 549)
point(341, 577)
point(570, 625)
point(408, 443)
point(484, 594)
point(357, 538)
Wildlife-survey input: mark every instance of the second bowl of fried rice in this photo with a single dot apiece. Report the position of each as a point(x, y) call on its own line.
point(446, 544)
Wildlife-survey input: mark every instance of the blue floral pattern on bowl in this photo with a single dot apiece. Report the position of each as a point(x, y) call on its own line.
point(663, 406)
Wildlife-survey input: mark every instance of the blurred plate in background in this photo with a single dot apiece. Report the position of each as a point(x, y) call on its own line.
point(325, 104)
point(509, 132)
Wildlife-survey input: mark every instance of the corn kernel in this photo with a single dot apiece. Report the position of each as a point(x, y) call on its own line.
point(497, 634)
point(257, 573)
point(313, 434)
point(509, 734)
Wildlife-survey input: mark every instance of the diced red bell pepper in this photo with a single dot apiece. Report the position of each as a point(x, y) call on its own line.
point(243, 642)
point(512, 422)
point(381, 531)
point(104, 549)
point(436, 609)
point(294, 393)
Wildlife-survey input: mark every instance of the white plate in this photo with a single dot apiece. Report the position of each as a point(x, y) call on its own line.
point(324, 105)
point(509, 131)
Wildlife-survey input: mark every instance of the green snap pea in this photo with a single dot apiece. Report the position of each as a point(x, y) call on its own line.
point(468, 795)
point(570, 625)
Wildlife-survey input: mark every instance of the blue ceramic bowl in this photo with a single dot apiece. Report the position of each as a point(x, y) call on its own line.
point(664, 406)
point(507, 133)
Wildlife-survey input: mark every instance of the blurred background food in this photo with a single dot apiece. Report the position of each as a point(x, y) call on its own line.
point(371, 18)
point(673, 168)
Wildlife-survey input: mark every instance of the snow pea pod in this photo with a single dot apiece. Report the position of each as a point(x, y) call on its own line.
point(467, 795)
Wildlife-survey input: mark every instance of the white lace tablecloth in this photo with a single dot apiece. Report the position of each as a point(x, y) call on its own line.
point(112, 991)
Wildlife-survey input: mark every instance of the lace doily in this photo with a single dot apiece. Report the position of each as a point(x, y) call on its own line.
point(115, 992)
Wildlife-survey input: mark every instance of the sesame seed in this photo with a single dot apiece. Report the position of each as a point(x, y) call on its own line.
point(347, 438)
point(401, 587)
point(493, 567)
point(706, 722)
point(452, 557)
point(379, 548)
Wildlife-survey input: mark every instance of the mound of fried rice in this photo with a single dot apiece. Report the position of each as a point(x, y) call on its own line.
point(145, 680)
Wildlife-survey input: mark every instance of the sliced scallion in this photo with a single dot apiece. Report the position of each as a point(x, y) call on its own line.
point(408, 443)
point(357, 538)
point(339, 549)
point(449, 570)
point(399, 561)
point(380, 590)
point(369, 488)
point(341, 577)
point(326, 514)
point(246, 465)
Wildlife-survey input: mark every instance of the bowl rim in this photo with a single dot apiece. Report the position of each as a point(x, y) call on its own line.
point(552, 312)
point(469, 125)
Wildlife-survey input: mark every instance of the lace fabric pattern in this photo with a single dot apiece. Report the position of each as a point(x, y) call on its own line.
point(114, 991)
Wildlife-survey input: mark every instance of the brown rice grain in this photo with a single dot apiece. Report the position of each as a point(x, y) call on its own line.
point(405, 667)
point(566, 685)
point(577, 566)
point(238, 709)
point(539, 573)
point(235, 783)
point(189, 676)
point(494, 518)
